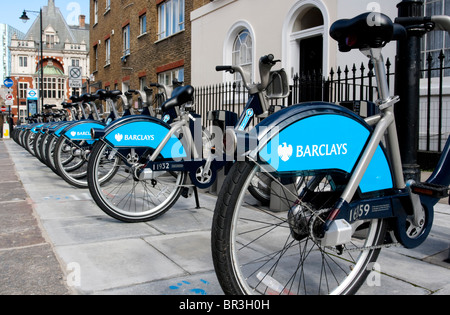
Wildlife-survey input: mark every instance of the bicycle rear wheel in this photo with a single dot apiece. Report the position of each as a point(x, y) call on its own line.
point(259, 251)
point(122, 195)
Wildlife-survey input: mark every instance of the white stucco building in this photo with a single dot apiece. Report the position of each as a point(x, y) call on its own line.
point(295, 31)
point(226, 32)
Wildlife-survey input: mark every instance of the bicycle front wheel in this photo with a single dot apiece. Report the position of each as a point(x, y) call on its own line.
point(70, 160)
point(257, 250)
point(121, 194)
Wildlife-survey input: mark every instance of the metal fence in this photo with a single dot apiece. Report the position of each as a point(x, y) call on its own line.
point(347, 84)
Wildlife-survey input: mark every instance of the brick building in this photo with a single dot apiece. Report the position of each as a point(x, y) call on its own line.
point(138, 42)
point(64, 46)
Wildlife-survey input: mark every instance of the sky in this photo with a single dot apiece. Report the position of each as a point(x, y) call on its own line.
point(11, 11)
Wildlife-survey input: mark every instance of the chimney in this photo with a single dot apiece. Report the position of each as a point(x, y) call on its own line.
point(82, 20)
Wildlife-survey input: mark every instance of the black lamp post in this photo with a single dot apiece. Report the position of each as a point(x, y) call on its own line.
point(408, 88)
point(25, 19)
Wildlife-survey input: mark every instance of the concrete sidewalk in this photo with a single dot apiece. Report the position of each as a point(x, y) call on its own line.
point(55, 240)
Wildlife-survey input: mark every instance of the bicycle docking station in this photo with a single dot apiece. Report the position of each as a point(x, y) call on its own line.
point(221, 119)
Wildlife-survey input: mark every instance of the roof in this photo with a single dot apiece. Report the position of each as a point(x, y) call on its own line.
point(52, 17)
point(51, 70)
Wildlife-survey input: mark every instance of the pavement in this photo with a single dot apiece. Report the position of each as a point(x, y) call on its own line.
point(54, 240)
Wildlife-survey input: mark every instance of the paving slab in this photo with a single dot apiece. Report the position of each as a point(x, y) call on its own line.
point(191, 251)
point(31, 270)
point(18, 226)
point(72, 247)
point(115, 264)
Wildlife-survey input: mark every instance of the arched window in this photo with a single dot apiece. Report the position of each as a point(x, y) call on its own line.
point(243, 53)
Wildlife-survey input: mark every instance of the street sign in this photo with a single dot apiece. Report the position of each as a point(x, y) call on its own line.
point(75, 77)
point(32, 94)
point(8, 83)
point(9, 97)
point(3, 109)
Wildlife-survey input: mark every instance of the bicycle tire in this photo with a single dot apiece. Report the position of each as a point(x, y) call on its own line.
point(75, 172)
point(124, 197)
point(249, 261)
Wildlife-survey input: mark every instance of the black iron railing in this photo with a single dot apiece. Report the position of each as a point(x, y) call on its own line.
point(349, 84)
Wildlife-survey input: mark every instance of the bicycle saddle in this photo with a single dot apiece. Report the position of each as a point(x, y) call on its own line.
point(179, 97)
point(104, 94)
point(75, 99)
point(67, 105)
point(89, 97)
point(368, 30)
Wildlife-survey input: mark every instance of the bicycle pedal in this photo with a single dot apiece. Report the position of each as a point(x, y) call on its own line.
point(430, 190)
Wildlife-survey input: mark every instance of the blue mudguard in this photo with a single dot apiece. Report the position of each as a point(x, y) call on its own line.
point(80, 130)
point(143, 132)
point(320, 136)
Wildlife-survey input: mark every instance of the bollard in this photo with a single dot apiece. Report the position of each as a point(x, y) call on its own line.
point(6, 131)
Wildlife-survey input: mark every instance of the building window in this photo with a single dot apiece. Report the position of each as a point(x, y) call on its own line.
point(53, 87)
point(75, 62)
point(23, 61)
point(143, 24)
point(108, 5)
point(23, 90)
point(437, 41)
point(171, 18)
point(95, 11)
point(142, 83)
point(50, 40)
point(126, 40)
point(108, 51)
point(243, 53)
point(168, 77)
point(95, 58)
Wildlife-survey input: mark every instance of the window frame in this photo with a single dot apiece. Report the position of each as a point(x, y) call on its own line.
point(108, 52)
point(23, 90)
point(143, 24)
point(167, 77)
point(126, 40)
point(171, 18)
point(23, 61)
point(248, 64)
point(435, 42)
point(95, 12)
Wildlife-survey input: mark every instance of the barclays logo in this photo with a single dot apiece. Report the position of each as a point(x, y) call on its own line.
point(119, 137)
point(285, 152)
point(80, 133)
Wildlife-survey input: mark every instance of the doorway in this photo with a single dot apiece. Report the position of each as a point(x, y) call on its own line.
point(311, 55)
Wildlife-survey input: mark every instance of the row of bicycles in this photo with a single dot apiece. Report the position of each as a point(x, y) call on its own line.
point(313, 192)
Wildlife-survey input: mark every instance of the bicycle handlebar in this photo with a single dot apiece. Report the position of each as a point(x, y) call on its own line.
point(442, 22)
point(225, 68)
point(265, 66)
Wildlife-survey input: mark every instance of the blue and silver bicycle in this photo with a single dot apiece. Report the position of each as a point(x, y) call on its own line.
point(155, 161)
point(338, 194)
